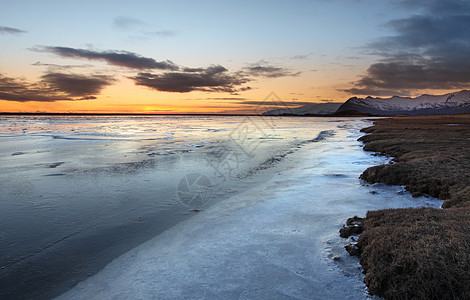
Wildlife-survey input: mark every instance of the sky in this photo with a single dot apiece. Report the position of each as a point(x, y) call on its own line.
point(226, 56)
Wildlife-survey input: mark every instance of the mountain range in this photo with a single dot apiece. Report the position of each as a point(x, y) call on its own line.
point(307, 109)
point(452, 103)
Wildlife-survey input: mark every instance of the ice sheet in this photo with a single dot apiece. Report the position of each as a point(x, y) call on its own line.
point(77, 191)
point(277, 240)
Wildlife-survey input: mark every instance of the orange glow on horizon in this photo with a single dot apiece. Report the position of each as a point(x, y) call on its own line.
point(126, 97)
point(73, 107)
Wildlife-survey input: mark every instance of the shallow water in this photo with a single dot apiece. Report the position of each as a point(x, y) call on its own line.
point(77, 192)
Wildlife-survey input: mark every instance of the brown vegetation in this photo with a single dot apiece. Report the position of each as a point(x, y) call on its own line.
point(431, 156)
point(417, 253)
point(420, 253)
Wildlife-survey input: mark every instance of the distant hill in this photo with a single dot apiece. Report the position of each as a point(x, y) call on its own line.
point(452, 103)
point(307, 109)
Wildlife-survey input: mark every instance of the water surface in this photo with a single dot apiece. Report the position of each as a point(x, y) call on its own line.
point(78, 191)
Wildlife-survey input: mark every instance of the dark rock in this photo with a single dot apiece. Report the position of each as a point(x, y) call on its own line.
point(353, 225)
point(353, 249)
point(347, 231)
point(355, 221)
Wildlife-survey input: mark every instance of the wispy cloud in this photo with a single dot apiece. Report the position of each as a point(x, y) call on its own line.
point(226, 98)
point(264, 69)
point(113, 57)
point(53, 87)
point(141, 30)
point(11, 30)
point(278, 104)
point(430, 51)
point(300, 56)
point(160, 33)
point(59, 67)
point(123, 22)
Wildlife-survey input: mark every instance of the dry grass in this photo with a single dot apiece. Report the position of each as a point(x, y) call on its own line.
point(417, 253)
point(430, 156)
point(420, 253)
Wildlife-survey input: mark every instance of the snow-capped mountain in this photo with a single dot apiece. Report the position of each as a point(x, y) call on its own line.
point(307, 109)
point(452, 103)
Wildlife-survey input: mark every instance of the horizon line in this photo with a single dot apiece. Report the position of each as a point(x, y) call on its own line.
point(123, 114)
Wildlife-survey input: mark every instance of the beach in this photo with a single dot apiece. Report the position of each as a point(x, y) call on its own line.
point(420, 253)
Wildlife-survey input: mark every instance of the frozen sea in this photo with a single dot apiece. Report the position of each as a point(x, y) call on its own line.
point(189, 207)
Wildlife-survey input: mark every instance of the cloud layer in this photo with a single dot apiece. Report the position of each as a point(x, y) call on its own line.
point(165, 76)
point(115, 58)
point(53, 87)
point(215, 78)
point(212, 79)
point(430, 51)
point(263, 69)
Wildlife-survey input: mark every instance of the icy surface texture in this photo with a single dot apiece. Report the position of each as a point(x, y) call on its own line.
point(277, 240)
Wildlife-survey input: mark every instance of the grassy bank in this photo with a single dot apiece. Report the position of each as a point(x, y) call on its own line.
point(420, 253)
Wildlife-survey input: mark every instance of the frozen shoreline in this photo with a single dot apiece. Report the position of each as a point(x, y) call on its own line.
point(71, 205)
point(275, 240)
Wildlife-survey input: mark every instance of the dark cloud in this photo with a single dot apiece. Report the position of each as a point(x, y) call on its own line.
point(53, 87)
point(12, 89)
point(424, 32)
point(430, 51)
point(10, 30)
point(263, 69)
point(436, 6)
point(193, 70)
point(77, 85)
point(396, 78)
point(212, 79)
point(115, 58)
point(88, 98)
point(215, 78)
point(174, 78)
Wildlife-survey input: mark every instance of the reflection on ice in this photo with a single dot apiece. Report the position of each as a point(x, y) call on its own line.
point(76, 192)
point(276, 239)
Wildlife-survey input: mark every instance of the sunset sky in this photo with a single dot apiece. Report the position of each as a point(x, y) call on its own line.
point(226, 56)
